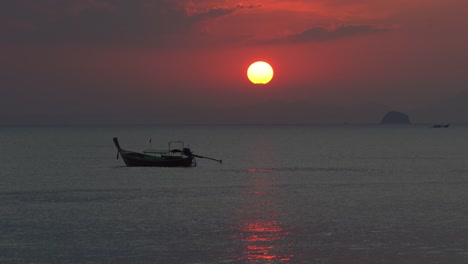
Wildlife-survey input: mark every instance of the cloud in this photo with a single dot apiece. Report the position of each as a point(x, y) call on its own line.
point(147, 23)
point(240, 5)
point(213, 13)
point(320, 34)
point(222, 11)
point(139, 22)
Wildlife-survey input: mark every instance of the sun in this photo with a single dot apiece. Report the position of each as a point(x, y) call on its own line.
point(260, 72)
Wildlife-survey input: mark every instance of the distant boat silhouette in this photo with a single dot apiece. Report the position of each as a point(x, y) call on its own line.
point(439, 125)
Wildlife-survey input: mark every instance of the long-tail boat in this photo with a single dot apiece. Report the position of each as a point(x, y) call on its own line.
point(439, 125)
point(171, 157)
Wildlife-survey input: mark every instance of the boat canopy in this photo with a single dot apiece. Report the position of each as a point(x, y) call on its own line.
point(156, 151)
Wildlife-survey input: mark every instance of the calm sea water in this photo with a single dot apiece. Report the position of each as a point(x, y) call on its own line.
point(284, 194)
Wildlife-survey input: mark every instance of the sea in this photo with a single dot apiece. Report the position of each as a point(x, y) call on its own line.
point(283, 194)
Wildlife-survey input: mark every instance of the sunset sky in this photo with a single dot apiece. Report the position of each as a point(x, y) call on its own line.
point(179, 61)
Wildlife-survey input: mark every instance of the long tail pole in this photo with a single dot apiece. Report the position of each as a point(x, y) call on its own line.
point(117, 145)
point(202, 157)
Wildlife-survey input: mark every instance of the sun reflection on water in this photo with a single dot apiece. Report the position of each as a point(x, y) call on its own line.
point(264, 242)
point(262, 233)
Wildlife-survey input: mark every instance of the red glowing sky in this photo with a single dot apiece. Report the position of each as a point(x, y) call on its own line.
point(102, 61)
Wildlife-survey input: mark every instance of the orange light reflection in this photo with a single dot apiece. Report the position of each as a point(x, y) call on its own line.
point(261, 231)
point(264, 242)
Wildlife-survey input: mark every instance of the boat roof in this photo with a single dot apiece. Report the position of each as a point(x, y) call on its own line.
point(156, 151)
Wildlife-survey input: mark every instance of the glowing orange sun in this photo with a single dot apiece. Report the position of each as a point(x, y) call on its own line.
point(260, 72)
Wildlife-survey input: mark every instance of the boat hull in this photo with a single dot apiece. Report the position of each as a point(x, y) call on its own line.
point(135, 159)
point(441, 126)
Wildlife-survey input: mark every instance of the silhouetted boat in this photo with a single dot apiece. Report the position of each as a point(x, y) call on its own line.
point(439, 126)
point(171, 157)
